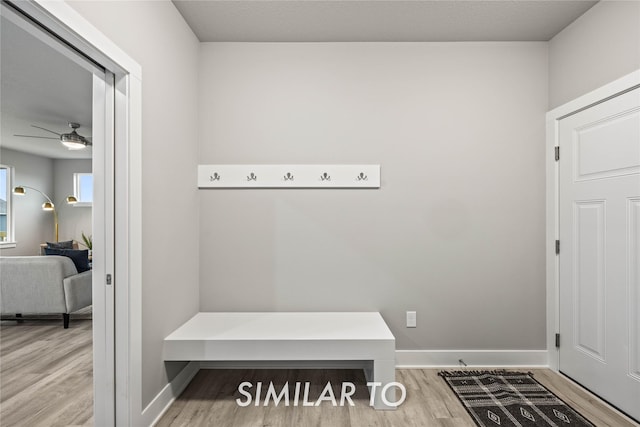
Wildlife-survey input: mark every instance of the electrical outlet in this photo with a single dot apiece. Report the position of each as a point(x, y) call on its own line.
point(411, 319)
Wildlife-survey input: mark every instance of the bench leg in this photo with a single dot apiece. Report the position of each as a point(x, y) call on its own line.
point(383, 372)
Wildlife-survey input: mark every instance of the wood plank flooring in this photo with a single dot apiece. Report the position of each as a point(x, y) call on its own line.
point(209, 400)
point(46, 373)
point(46, 380)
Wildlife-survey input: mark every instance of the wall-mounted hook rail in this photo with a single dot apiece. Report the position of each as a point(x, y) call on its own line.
point(289, 176)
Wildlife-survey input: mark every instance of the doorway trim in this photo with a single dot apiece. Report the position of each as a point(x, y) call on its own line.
point(66, 23)
point(608, 91)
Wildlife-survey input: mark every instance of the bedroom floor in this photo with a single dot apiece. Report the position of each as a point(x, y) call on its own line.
point(209, 400)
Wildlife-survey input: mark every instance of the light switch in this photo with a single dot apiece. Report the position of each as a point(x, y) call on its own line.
point(411, 319)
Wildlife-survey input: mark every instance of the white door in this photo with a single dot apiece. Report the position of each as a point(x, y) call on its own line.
point(600, 249)
point(103, 249)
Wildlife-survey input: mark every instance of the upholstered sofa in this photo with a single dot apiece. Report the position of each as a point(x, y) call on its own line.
point(43, 285)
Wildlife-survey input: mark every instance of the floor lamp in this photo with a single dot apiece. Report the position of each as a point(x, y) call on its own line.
point(46, 206)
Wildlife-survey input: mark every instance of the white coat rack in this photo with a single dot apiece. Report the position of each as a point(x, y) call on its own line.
point(288, 176)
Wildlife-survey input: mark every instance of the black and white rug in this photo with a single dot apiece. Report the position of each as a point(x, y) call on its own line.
point(502, 398)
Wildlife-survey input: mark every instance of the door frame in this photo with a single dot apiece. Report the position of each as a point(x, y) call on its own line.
point(117, 373)
point(617, 87)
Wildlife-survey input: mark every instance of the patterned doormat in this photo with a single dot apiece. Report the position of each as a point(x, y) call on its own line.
point(502, 398)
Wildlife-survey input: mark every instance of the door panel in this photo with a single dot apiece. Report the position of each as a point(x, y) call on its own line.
point(634, 287)
point(588, 259)
point(599, 206)
point(618, 156)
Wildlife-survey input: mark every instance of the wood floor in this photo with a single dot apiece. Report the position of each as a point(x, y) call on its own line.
point(46, 376)
point(209, 400)
point(46, 380)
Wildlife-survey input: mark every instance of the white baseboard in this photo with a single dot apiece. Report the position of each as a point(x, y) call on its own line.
point(473, 358)
point(407, 359)
point(159, 405)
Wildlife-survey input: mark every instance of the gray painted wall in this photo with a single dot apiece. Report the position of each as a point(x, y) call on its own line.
point(55, 178)
point(33, 226)
point(597, 48)
point(457, 127)
point(73, 219)
point(155, 35)
point(456, 231)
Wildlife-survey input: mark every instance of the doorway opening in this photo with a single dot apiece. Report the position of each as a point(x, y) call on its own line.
point(57, 145)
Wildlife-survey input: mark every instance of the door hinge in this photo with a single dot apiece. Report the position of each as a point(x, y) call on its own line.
point(557, 150)
point(557, 247)
point(557, 340)
point(108, 279)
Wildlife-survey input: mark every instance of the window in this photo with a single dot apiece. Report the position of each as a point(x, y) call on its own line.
point(83, 188)
point(6, 210)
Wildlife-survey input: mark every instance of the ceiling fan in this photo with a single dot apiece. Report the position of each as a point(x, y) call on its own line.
point(71, 140)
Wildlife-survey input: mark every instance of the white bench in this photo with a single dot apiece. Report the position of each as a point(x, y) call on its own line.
point(286, 336)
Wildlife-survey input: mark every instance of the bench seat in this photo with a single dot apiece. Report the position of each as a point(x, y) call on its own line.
point(289, 336)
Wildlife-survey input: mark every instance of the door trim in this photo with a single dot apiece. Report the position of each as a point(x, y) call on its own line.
point(553, 117)
point(67, 24)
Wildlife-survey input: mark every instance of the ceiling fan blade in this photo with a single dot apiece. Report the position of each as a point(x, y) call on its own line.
point(41, 137)
point(39, 127)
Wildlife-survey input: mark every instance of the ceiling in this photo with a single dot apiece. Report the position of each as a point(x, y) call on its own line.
point(378, 20)
point(40, 86)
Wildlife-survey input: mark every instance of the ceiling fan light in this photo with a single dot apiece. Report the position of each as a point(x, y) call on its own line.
point(19, 191)
point(47, 206)
point(72, 141)
point(73, 145)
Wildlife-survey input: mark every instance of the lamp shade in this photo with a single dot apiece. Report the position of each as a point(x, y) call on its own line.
point(20, 190)
point(72, 200)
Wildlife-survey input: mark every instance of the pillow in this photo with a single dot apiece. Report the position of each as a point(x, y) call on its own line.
point(60, 245)
point(79, 257)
